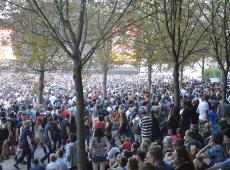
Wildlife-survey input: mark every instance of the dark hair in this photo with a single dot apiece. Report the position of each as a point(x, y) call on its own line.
point(100, 118)
point(136, 144)
point(192, 134)
point(226, 132)
point(60, 153)
point(206, 97)
point(123, 117)
point(123, 161)
point(99, 134)
point(156, 153)
point(50, 119)
point(182, 155)
point(223, 125)
point(132, 164)
point(73, 137)
point(147, 166)
point(141, 154)
point(217, 138)
point(112, 142)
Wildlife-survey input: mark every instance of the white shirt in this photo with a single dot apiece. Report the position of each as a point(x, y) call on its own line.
point(52, 99)
point(202, 108)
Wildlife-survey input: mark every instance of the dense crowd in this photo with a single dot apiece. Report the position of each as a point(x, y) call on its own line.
point(129, 129)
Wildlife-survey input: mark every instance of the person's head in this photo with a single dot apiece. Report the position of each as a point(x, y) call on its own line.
point(112, 143)
point(167, 141)
point(223, 125)
point(53, 157)
point(144, 147)
point(50, 119)
point(226, 135)
point(132, 164)
point(195, 102)
point(155, 156)
point(147, 166)
point(206, 97)
point(143, 111)
point(60, 153)
point(170, 132)
point(134, 146)
point(121, 109)
point(73, 137)
point(194, 128)
point(179, 132)
point(178, 144)
point(122, 161)
point(123, 117)
point(217, 138)
point(107, 119)
point(207, 126)
point(191, 135)
point(182, 155)
point(100, 118)
point(140, 155)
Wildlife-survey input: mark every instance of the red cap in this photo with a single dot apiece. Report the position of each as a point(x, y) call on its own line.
point(24, 117)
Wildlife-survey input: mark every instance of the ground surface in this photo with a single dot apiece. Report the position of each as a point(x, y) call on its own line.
point(9, 164)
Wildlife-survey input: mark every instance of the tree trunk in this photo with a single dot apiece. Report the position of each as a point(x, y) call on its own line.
point(202, 70)
point(176, 87)
point(160, 67)
point(81, 153)
point(149, 78)
point(139, 67)
point(181, 73)
point(225, 85)
point(105, 72)
point(41, 85)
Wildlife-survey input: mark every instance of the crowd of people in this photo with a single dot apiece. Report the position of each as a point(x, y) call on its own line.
point(131, 128)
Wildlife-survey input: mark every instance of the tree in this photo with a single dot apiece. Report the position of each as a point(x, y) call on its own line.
point(147, 44)
point(212, 73)
point(68, 23)
point(216, 15)
point(105, 61)
point(178, 23)
point(35, 49)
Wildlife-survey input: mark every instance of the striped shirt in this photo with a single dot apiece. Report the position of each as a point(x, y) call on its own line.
point(146, 127)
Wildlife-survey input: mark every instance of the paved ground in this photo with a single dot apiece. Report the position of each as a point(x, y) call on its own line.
point(9, 164)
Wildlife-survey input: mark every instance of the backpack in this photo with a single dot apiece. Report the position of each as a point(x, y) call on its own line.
point(136, 128)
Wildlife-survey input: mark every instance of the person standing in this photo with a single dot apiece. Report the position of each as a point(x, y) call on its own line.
point(65, 129)
point(48, 139)
point(71, 152)
point(98, 148)
point(203, 111)
point(5, 133)
point(26, 145)
point(224, 111)
point(145, 125)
